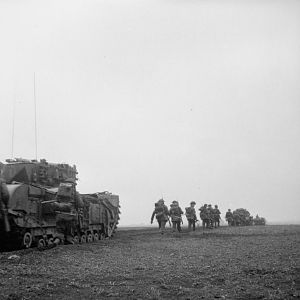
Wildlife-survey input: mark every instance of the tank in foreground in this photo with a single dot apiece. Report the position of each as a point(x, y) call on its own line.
point(44, 207)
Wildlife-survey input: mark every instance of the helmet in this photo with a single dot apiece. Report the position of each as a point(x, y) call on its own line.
point(193, 202)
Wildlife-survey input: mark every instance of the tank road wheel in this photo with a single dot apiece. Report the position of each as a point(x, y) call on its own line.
point(27, 240)
point(89, 238)
point(41, 244)
point(57, 241)
point(96, 237)
point(83, 239)
point(50, 241)
point(76, 239)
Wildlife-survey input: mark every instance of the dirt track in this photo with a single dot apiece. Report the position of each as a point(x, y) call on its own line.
point(226, 263)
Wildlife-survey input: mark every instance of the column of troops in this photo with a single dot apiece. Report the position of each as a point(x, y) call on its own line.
point(210, 216)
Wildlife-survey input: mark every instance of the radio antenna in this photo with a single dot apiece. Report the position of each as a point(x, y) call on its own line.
point(35, 123)
point(13, 127)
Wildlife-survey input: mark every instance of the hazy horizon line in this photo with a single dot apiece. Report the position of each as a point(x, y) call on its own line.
point(268, 223)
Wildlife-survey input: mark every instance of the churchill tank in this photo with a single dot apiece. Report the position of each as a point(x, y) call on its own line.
point(44, 207)
point(259, 220)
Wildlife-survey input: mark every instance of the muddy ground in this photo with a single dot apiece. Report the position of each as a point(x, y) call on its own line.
point(225, 263)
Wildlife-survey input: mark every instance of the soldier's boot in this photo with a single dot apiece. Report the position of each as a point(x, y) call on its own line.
point(162, 227)
point(179, 227)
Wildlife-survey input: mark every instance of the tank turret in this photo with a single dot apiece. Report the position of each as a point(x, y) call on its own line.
point(37, 172)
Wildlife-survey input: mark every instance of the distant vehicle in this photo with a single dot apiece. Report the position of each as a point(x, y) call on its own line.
point(45, 208)
point(242, 217)
point(259, 220)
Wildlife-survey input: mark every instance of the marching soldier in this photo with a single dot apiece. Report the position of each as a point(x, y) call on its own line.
point(161, 212)
point(153, 215)
point(229, 217)
point(216, 215)
point(175, 213)
point(190, 213)
point(210, 213)
point(204, 216)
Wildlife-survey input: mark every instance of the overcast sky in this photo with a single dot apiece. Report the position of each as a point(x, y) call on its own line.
point(192, 100)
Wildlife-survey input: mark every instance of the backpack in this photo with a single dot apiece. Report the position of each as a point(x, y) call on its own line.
point(190, 213)
point(188, 210)
point(160, 210)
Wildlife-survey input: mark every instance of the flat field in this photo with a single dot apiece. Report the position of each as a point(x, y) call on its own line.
point(226, 263)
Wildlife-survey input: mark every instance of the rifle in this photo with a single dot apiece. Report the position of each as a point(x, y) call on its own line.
point(169, 222)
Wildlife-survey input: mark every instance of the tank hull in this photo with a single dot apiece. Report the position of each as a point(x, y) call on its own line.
point(40, 215)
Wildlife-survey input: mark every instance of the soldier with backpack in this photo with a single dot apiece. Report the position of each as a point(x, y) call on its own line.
point(210, 212)
point(204, 216)
point(175, 213)
point(216, 216)
point(190, 214)
point(154, 213)
point(229, 217)
point(161, 212)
